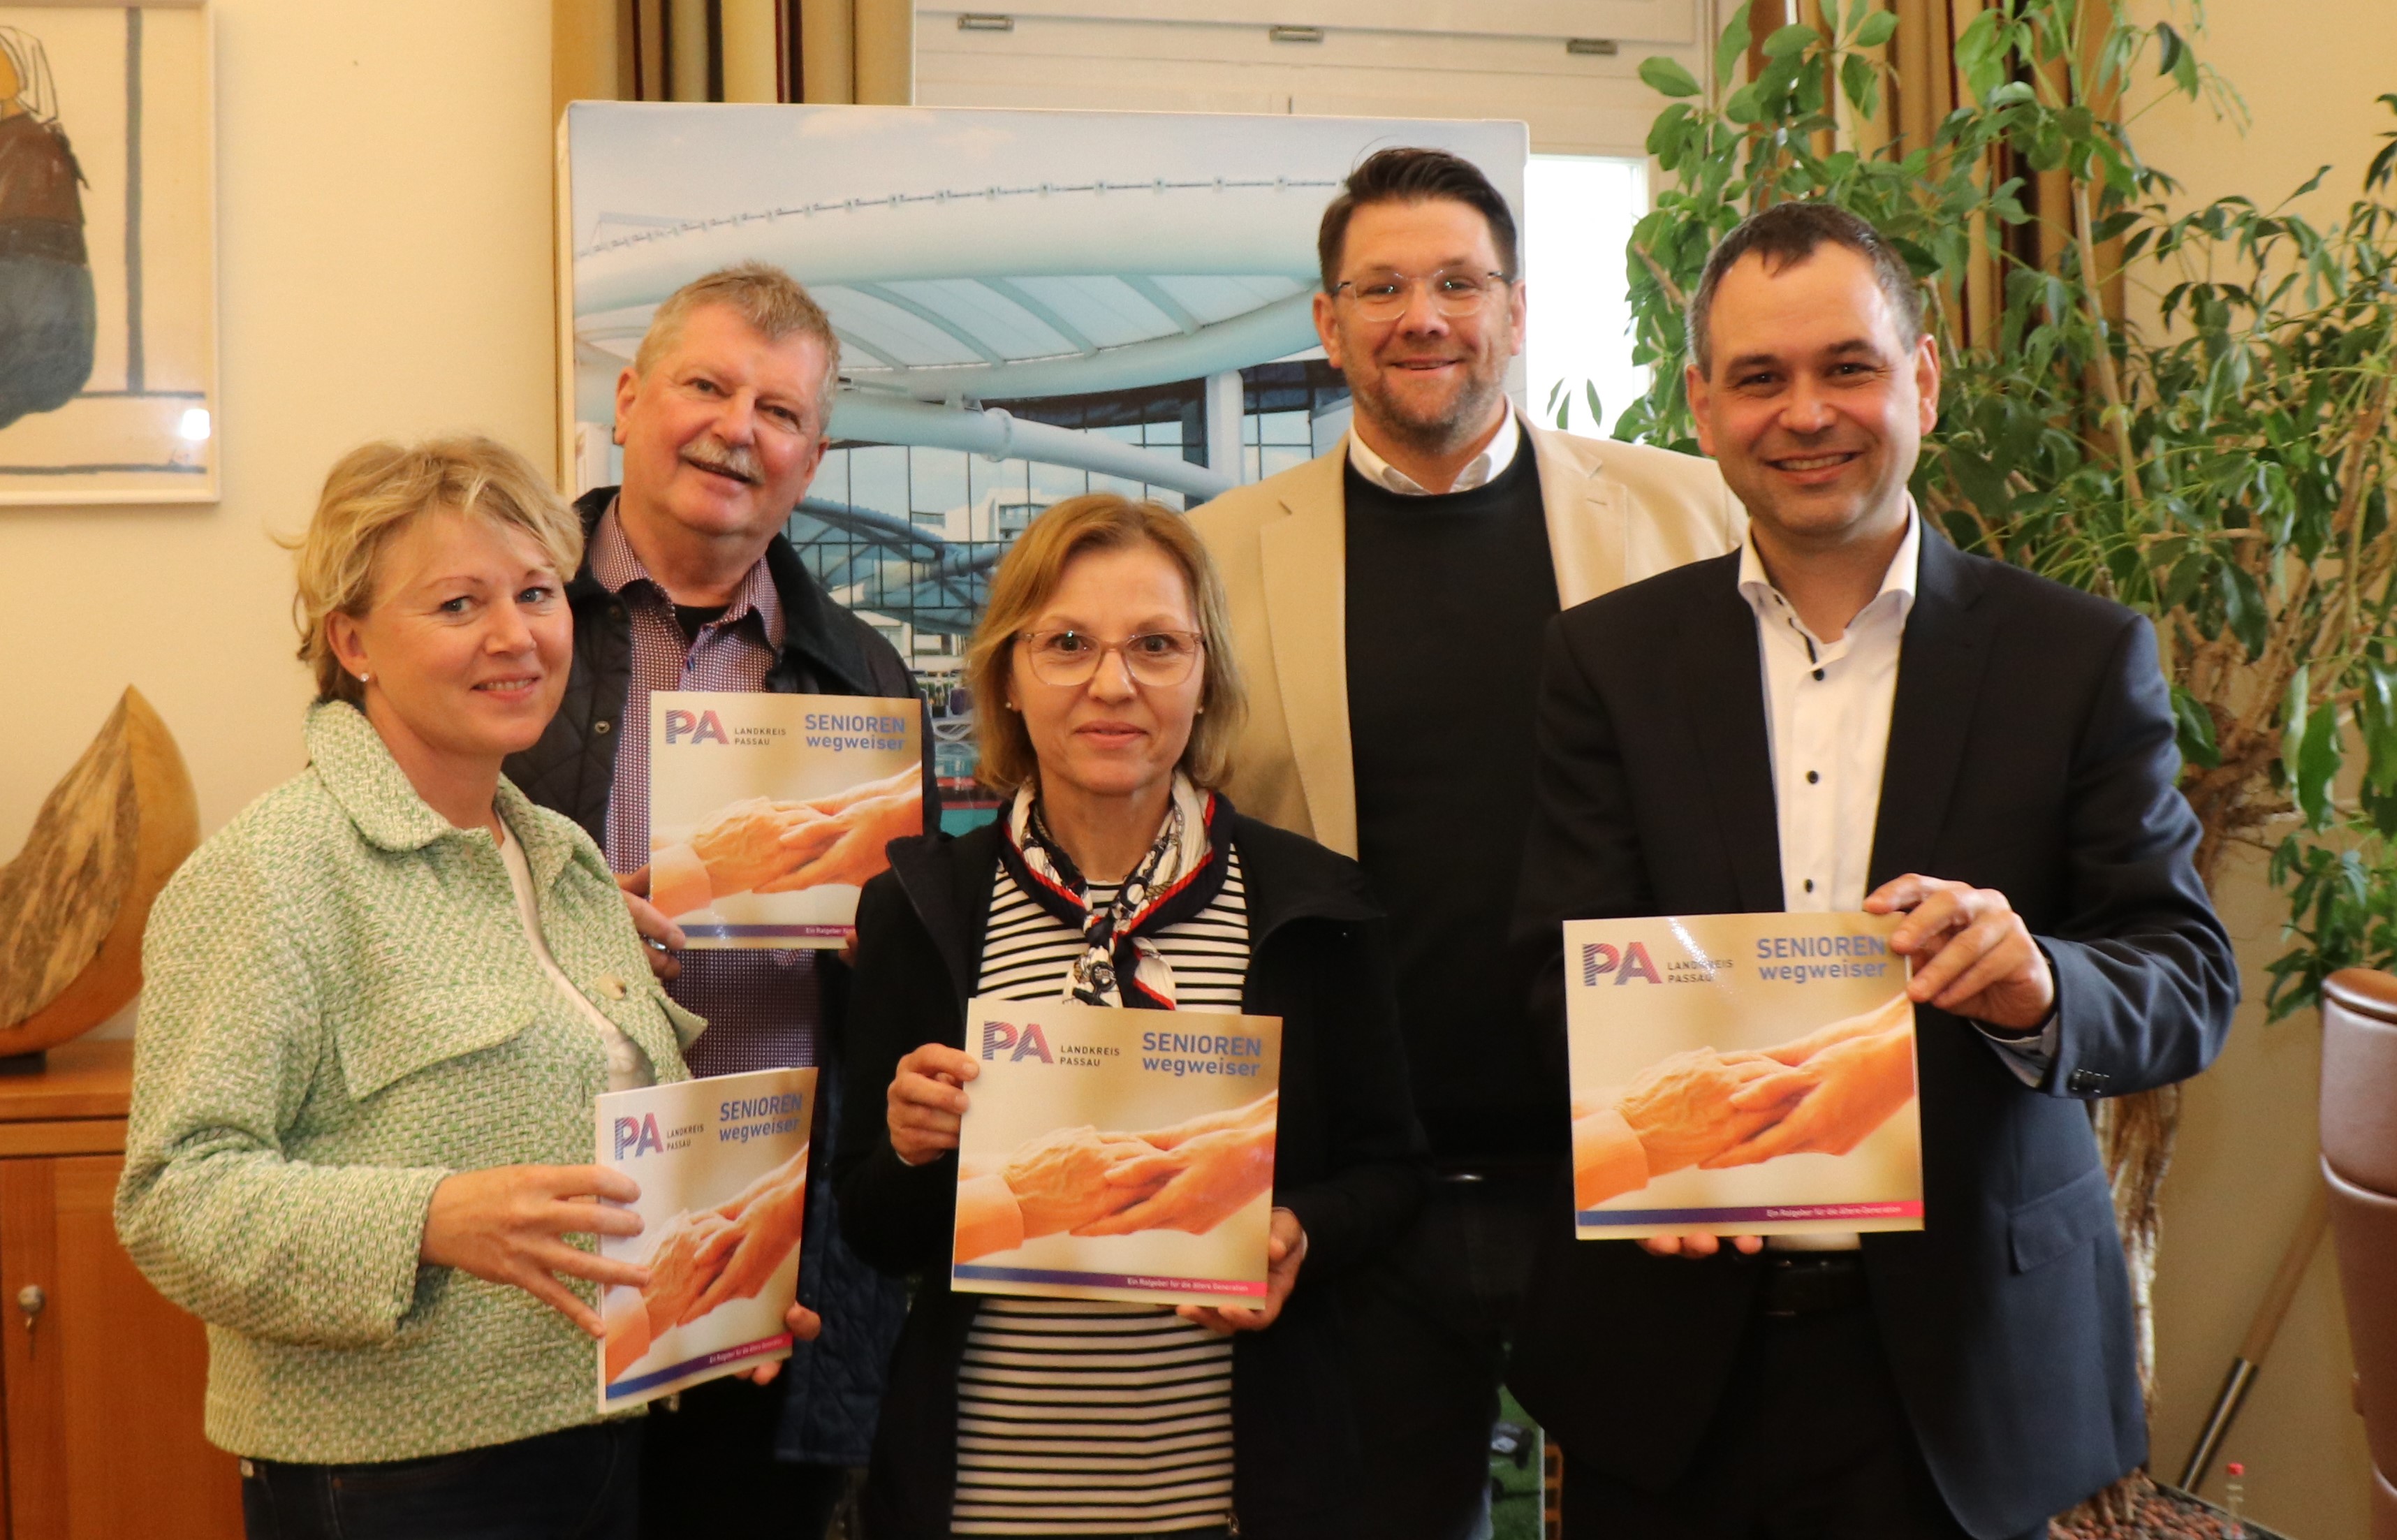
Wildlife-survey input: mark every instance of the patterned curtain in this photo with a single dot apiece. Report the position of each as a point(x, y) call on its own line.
point(1925, 89)
point(732, 51)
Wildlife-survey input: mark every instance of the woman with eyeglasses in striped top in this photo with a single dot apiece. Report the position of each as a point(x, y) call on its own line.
point(1107, 705)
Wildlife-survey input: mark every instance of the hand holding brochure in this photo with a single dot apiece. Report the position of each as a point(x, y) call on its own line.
point(768, 813)
point(722, 1165)
point(1115, 1154)
point(1741, 1073)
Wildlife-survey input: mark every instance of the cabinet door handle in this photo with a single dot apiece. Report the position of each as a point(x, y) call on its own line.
point(32, 1301)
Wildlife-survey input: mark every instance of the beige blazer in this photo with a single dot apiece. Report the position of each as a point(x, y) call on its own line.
point(1616, 513)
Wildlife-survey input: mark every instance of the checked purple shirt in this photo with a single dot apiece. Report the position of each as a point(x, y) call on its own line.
point(762, 1007)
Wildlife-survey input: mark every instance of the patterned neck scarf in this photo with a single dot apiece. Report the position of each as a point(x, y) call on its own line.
point(1182, 874)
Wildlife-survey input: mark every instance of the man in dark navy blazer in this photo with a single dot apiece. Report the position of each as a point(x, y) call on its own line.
point(1848, 713)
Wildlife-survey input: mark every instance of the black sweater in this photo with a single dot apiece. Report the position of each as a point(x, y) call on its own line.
point(1347, 1161)
point(1448, 597)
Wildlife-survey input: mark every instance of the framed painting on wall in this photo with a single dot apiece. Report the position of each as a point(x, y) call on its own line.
point(108, 364)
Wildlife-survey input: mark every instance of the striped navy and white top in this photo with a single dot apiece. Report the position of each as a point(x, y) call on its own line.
point(1090, 1416)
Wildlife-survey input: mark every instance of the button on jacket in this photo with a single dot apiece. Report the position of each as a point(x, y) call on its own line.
point(342, 1007)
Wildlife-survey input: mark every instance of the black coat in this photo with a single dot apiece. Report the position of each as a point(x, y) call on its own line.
point(836, 1381)
point(2031, 751)
point(1348, 1161)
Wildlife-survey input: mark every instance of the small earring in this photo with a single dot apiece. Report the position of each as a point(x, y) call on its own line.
point(364, 676)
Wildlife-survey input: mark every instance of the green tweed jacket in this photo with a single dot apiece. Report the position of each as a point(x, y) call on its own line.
point(341, 1008)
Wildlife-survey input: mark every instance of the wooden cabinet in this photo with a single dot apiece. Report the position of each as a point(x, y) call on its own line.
point(101, 1378)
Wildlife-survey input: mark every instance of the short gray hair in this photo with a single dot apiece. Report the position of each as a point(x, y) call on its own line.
point(769, 299)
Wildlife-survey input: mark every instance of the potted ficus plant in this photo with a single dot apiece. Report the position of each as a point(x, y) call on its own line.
point(2224, 467)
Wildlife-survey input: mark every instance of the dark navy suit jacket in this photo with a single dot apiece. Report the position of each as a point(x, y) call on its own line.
point(2031, 751)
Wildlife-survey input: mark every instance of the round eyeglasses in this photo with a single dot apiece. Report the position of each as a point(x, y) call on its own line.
point(1454, 291)
point(1072, 657)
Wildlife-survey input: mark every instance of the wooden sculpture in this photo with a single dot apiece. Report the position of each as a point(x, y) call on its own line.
point(74, 902)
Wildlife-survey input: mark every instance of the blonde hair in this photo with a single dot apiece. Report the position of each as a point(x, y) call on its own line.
point(770, 300)
point(374, 493)
point(1028, 578)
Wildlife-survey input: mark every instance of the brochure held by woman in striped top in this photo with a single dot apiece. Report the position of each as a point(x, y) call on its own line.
point(1117, 1154)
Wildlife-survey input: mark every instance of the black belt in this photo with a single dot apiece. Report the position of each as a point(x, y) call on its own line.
point(1806, 1283)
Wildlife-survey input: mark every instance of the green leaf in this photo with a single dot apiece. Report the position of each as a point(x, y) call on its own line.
point(2378, 714)
point(1980, 56)
point(2381, 808)
point(2294, 707)
point(1877, 29)
point(1596, 412)
point(2309, 748)
point(1744, 106)
point(2195, 731)
point(2383, 165)
point(1861, 82)
point(2317, 769)
point(1733, 48)
point(2242, 608)
point(1791, 41)
point(2169, 48)
point(1668, 77)
point(1664, 135)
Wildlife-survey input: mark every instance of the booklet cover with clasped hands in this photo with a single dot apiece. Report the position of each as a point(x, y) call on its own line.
point(1748, 1074)
point(722, 1165)
point(768, 813)
point(1117, 1154)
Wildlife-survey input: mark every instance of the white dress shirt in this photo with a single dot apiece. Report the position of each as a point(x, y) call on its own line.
point(1827, 713)
point(1495, 456)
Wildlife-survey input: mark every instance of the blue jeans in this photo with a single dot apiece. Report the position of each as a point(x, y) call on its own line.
point(578, 1483)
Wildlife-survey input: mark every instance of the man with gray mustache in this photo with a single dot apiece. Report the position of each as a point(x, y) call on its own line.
point(688, 583)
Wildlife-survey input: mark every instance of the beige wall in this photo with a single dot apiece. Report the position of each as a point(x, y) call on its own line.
point(383, 209)
point(2309, 73)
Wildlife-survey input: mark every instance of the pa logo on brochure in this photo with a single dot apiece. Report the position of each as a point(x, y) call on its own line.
point(700, 727)
point(1628, 962)
point(638, 1136)
point(1027, 1043)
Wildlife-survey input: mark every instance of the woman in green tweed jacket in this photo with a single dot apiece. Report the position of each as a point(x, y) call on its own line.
point(379, 1005)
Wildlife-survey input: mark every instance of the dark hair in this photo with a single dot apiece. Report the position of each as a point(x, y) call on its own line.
point(1411, 175)
point(1787, 234)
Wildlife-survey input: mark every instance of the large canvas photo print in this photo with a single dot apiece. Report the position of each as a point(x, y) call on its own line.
point(1031, 305)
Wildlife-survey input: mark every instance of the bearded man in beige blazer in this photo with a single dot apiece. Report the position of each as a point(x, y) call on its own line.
point(1388, 600)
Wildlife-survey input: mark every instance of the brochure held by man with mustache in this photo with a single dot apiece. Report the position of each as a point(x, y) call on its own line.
point(1117, 1154)
point(1748, 1074)
point(722, 1165)
point(768, 813)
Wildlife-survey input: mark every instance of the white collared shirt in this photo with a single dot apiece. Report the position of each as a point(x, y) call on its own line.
point(1495, 457)
point(1827, 713)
